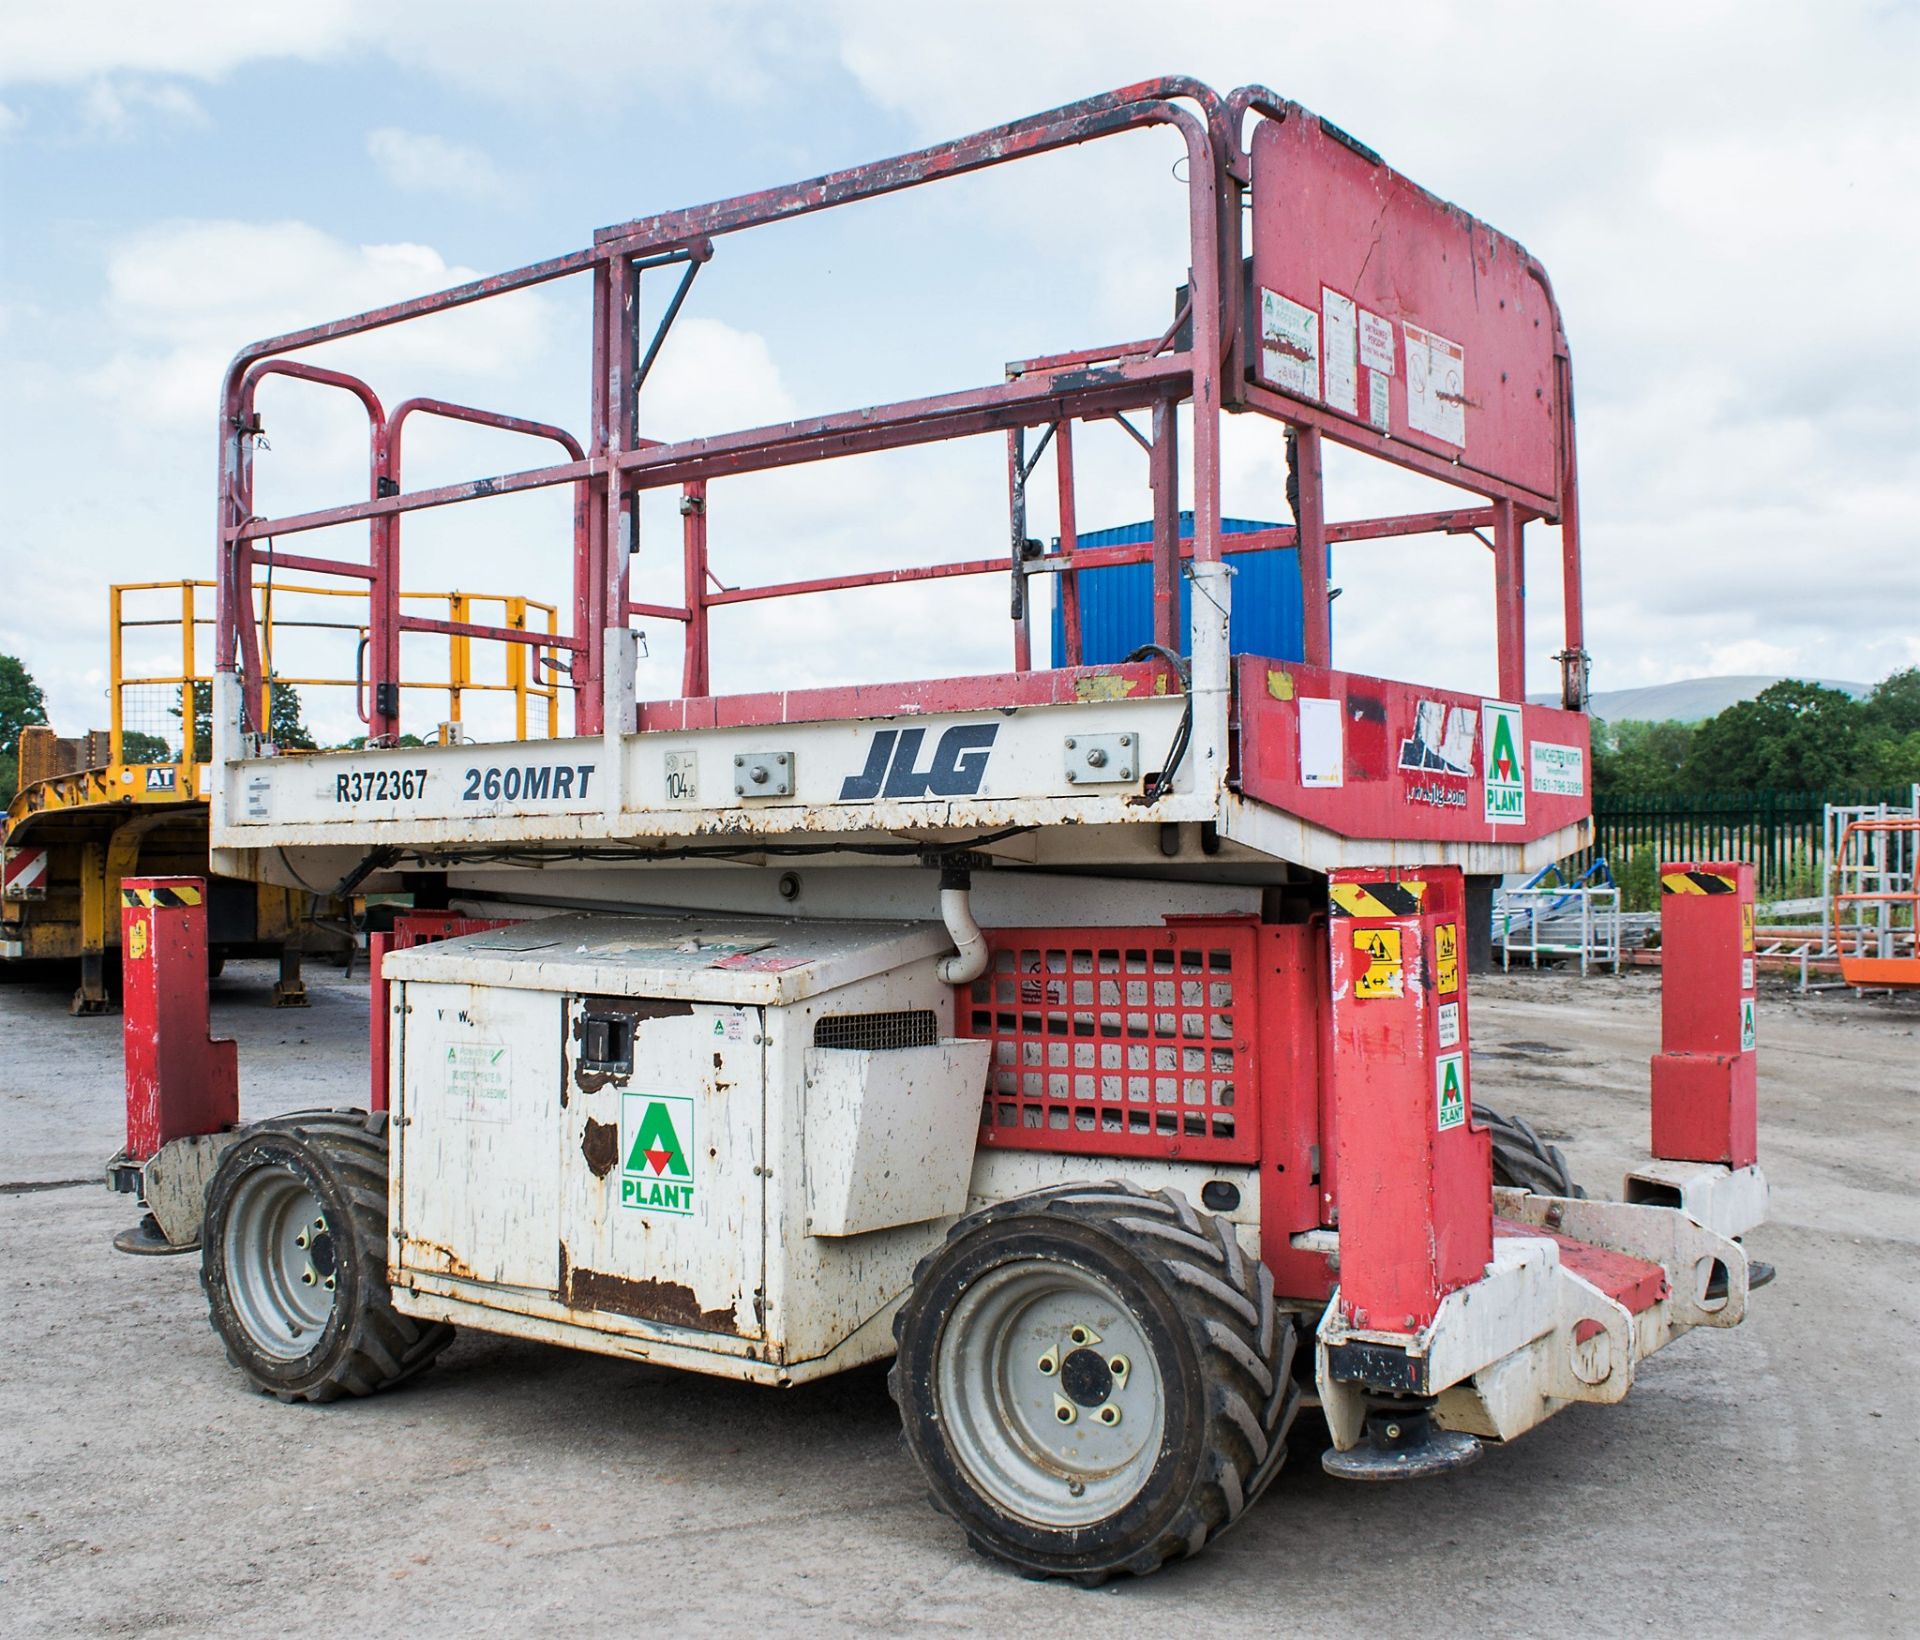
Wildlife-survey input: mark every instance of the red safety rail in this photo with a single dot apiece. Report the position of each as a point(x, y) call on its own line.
point(1121, 1041)
point(1378, 279)
point(409, 929)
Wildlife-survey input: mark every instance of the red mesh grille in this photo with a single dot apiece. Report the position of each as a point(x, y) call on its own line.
point(1120, 1041)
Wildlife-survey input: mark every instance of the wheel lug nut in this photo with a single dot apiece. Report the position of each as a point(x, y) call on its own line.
point(1050, 1363)
point(1118, 1366)
point(1108, 1415)
point(1078, 1335)
point(1064, 1410)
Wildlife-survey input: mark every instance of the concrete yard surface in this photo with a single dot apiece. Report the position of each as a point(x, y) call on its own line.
point(1757, 1482)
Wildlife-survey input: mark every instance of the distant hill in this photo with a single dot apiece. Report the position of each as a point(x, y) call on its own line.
point(1691, 700)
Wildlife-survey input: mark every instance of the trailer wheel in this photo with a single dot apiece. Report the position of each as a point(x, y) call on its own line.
point(294, 1260)
point(1522, 1160)
point(1094, 1379)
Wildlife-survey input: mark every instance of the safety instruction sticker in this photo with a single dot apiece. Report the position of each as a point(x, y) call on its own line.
point(1341, 350)
point(1377, 400)
point(1746, 926)
point(480, 1078)
point(1746, 1024)
point(1446, 958)
point(1289, 344)
point(1436, 386)
point(1383, 975)
point(1506, 775)
point(1449, 1024)
point(658, 1155)
point(1450, 1090)
point(1746, 973)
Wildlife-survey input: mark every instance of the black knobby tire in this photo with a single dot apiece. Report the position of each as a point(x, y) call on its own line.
point(1522, 1160)
point(1222, 1355)
point(295, 1337)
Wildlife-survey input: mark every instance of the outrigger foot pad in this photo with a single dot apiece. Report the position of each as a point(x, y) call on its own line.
point(147, 1239)
point(1401, 1444)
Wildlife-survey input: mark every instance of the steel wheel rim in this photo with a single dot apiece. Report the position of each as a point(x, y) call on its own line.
point(1021, 1347)
point(280, 1263)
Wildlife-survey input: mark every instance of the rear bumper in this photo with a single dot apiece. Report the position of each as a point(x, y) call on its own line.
point(1578, 1294)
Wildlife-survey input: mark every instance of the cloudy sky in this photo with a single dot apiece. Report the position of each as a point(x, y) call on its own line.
point(1725, 195)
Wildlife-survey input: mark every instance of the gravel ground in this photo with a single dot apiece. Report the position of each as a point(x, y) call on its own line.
point(1756, 1482)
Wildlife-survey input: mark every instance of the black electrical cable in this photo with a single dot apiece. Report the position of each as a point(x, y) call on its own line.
point(1162, 782)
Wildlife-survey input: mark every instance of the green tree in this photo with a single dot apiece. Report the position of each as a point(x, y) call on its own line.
point(284, 726)
point(137, 746)
point(21, 703)
point(1792, 736)
point(1893, 709)
point(1640, 757)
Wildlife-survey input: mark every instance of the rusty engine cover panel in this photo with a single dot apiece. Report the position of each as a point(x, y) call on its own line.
point(1400, 313)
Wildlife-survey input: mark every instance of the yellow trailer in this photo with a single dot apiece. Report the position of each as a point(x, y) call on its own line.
point(131, 799)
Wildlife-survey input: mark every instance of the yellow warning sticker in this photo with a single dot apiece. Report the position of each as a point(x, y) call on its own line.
point(1383, 975)
point(137, 939)
point(1746, 926)
point(1446, 958)
point(1695, 882)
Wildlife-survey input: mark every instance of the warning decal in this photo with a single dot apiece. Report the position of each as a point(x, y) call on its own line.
point(1746, 926)
point(1704, 882)
point(173, 897)
point(1381, 899)
point(1450, 1090)
point(1383, 975)
point(1446, 958)
point(1449, 1022)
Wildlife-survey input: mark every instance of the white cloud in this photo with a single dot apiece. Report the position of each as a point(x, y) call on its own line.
point(11, 119)
point(116, 108)
point(741, 48)
point(184, 295)
point(420, 162)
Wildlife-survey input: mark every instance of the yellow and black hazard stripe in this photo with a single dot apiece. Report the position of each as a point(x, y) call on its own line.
point(166, 897)
point(1695, 882)
point(1382, 899)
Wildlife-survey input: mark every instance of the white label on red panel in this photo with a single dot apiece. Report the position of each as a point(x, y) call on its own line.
point(1449, 1024)
point(1377, 400)
point(1340, 343)
point(1436, 386)
point(1746, 973)
point(1376, 342)
point(1323, 742)
point(1290, 345)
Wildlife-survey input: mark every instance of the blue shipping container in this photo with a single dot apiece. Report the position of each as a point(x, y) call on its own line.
point(1116, 603)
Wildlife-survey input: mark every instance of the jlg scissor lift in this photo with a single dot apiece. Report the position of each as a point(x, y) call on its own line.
point(1092, 1040)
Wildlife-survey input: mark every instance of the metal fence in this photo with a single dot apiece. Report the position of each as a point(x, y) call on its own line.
point(1781, 833)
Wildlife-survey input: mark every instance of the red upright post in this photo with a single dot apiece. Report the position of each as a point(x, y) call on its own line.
point(180, 1082)
point(1705, 1102)
point(1416, 1174)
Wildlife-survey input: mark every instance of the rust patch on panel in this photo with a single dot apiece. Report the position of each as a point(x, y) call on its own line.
point(600, 1144)
point(437, 1257)
point(664, 1301)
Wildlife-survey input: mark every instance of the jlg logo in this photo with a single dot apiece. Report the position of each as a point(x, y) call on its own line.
point(959, 764)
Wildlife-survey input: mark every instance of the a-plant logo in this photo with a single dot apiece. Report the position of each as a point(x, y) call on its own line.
point(1450, 1090)
point(657, 1142)
point(1506, 774)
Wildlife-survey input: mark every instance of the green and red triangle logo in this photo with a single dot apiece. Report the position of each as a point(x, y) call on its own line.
point(656, 1145)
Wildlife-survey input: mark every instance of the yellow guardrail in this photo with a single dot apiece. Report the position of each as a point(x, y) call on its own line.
point(531, 675)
